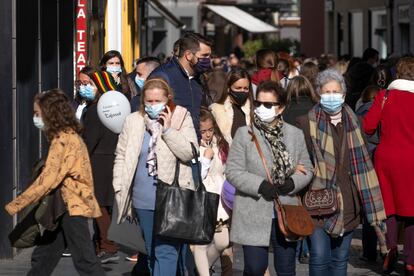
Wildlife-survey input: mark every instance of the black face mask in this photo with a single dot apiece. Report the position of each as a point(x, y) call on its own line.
point(240, 98)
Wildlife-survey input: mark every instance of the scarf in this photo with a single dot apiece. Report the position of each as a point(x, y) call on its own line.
point(362, 170)
point(282, 162)
point(154, 128)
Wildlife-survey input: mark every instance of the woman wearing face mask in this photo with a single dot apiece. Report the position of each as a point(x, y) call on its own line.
point(147, 147)
point(254, 223)
point(67, 166)
point(344, 169)
point(233, 109)
point(101, 144)
point(231, 112)
point(113, 63)
point(85, 91)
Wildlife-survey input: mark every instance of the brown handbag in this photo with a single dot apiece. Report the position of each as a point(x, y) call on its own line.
point(294, 221)
point(322, 202)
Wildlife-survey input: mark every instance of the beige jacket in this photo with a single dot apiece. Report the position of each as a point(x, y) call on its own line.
point(67, 163)
point(214, 177)
point(223, 113)
point(171, 145)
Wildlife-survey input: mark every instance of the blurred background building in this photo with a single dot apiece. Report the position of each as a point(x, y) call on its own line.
point(349, 26)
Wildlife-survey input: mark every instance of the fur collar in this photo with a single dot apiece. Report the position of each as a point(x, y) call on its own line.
point(223, 113)
point(402, 85)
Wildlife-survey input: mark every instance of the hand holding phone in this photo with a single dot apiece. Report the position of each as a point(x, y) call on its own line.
point(165, 117)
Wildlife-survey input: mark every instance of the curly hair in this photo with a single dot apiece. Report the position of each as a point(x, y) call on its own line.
point(405, 68)
point(57, 113)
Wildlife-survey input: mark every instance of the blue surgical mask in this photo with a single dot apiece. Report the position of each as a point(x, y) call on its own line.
point(38, 122)
point(113, 69)
point(154, 111)
point(139, 81)
point(87, 92)
point(332, 103)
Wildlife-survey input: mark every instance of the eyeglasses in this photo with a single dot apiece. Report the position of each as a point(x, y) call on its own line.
point(268, 105)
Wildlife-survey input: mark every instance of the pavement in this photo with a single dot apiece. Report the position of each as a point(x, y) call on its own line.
point(21, 264)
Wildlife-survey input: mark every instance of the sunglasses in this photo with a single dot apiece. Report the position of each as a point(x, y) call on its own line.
point(268, 105)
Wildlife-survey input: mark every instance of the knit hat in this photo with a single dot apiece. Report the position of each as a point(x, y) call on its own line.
point(104, 81)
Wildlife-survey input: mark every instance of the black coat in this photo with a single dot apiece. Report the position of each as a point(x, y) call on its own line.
point(101, 144)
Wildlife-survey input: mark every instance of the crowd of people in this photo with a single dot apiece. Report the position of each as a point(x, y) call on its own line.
point(340, 128)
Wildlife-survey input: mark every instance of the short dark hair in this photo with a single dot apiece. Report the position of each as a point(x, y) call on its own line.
point(369, 53)
point(87, 70)
point(275, 88)
point(191, 41)
point(153, 60)
point(176, 47)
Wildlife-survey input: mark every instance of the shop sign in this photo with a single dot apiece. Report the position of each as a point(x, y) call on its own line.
point(81, 29)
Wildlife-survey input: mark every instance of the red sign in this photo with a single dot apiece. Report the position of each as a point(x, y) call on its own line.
point(81, 49)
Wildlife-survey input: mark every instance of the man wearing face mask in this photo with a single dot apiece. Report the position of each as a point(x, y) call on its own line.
point(143, 69)
point(183, 73)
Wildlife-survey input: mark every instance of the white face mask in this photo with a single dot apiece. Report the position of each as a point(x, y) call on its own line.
point(266, 115)
point(38, 122)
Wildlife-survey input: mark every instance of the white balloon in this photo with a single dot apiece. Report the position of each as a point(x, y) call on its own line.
point(113, 108)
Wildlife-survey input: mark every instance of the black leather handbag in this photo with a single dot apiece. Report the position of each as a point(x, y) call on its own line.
point(183, 214)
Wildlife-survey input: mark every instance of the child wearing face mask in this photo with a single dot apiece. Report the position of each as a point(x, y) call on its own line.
point(149, 143)
point(213, 154)
point(67, 169)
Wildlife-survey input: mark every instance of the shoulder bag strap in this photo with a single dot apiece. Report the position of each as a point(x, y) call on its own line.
point(259, 149)
point(196, 169)
point(387, 93)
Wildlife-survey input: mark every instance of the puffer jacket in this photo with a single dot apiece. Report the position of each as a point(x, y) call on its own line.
point(67, 163)
point(171, 145)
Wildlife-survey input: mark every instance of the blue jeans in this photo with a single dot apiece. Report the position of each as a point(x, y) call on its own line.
point(166, 254)
point(146, 222)
point(256, 257)
point(302, 249)
point(329, 256)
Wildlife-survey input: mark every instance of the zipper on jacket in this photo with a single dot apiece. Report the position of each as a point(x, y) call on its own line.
point(192, 98)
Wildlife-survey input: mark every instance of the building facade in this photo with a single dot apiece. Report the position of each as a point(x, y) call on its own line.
point(349, 26)
point(37, 50)
point(403, 26)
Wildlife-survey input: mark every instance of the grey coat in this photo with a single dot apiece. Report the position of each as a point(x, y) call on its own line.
point(252, 214)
